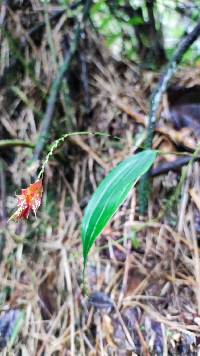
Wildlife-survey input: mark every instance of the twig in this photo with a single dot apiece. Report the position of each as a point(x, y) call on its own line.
point(155, 102)
point(84, 78)
point(125, 329)
point(79, 142)
point(3, 208)
point(183, 177)
point(3, 194)
point(142, 339)
point(57, 14)
point(3, 11)
point(64, 68)
point(170, 166)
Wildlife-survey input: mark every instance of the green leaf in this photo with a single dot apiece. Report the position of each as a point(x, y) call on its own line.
point(136, 21)
point(110, 195)
point(105, 22)
point(113, 38)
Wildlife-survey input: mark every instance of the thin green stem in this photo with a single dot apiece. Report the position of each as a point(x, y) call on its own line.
point(15, 143)
point(60, 140)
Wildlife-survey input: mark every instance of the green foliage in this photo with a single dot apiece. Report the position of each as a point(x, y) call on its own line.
point(111, 194)
point(111, 20)
point(173, 17)
point(136, 20)
point(135, 241)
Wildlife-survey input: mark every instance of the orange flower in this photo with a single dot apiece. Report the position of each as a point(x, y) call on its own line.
point(29, 199)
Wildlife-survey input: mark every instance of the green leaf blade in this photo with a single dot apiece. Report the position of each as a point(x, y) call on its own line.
point(111, 194)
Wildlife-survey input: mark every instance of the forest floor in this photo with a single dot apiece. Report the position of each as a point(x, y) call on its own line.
point(143, 274)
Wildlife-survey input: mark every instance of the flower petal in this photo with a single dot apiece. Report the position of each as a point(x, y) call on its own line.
point(29, 199)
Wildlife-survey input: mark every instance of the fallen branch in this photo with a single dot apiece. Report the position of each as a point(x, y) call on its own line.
point(170, 166)
point(155, 103)
point(64, 68)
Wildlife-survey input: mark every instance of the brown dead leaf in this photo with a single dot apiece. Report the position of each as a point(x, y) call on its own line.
point(181, 137)
point(108, 330)
point(134, 280)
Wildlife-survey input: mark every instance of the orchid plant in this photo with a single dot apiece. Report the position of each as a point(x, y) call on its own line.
point(106, 200)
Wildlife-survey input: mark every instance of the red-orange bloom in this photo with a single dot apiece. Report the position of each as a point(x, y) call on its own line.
point(29, 199)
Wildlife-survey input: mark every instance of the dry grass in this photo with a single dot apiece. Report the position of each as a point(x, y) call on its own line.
point(146, 268)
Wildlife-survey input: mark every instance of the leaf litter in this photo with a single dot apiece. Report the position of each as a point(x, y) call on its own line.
point(142, 301)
